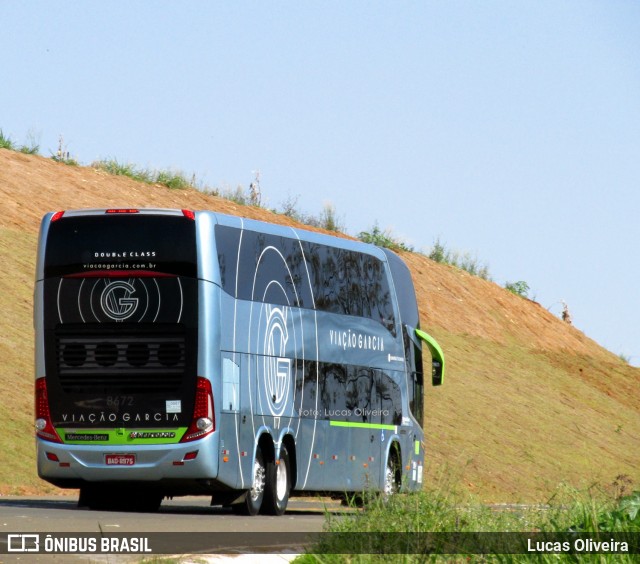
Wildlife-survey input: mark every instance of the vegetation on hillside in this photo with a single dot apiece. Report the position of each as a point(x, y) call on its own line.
point(377, 236)
point(530, 402)
point(327, 219)
point(32, 148)
point(520, 288)
point(439, 521)
point(464, 261)
point(175, 180)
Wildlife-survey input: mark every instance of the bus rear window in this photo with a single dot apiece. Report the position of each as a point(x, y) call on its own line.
point(99, 243)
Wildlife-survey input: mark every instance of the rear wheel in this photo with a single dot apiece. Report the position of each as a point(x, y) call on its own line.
point(278, 484)
point(145, 502)
point(254, 497)
point(113, 498)
point(392, 476)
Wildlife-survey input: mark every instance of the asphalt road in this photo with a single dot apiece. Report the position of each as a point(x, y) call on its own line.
point(185, 525)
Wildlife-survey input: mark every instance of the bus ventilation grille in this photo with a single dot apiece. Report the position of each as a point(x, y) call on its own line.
point(127, 364)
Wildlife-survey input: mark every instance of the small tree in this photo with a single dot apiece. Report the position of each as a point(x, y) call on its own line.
point(439, 253)
point(520, 288)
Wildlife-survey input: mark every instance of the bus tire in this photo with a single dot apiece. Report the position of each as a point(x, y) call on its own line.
point(99, 497)
point(278, 485)
point(254, 497)
point(109, 498)
point(392, 475)
point(145, 502)
point(87, 498)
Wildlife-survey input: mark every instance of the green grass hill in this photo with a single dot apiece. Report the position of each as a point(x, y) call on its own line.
point(529, 402)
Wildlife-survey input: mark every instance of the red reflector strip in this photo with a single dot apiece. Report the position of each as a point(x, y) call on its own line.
point(47, 432)
point(202, 410)
point(122, 211)
point(53, 457)
point(120, 274)
point(191, 455)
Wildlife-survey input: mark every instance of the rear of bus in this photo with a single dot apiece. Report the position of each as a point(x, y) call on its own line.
point(118, 398)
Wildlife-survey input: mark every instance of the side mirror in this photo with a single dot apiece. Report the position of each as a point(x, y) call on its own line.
point(437, 357)
point(436, 373)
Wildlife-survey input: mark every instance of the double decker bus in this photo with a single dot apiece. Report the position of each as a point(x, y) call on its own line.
point(184, 353)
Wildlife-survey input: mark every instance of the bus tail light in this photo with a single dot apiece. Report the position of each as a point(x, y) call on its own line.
point(189, 214)
point(203, 421)
point(44, 427)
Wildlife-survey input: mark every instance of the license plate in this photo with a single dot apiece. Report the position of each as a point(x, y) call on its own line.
point(120, 459)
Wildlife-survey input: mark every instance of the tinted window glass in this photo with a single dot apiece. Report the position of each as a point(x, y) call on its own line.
point(405, 291)
point(351, 283)
point(263, 268)
point(121, 242)
point(347, 393)
point(279, 270)
point(413, 354)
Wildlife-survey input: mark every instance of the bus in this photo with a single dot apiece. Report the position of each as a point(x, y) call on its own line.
point(187, 353)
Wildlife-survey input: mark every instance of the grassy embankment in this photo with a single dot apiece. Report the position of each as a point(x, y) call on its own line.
point(529, 402)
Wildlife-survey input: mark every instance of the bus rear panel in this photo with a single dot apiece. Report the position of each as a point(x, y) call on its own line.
point(117, 380)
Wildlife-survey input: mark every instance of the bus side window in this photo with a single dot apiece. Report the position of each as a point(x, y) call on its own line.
point(416, 396)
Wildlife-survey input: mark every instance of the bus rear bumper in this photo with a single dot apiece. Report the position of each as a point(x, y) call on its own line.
point(60, 463)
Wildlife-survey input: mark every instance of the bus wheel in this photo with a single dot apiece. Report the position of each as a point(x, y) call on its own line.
point(108, 498)
point(88, 497)
point(145, 502)
point(253, 500)
point(391, 476)
point(278, 485)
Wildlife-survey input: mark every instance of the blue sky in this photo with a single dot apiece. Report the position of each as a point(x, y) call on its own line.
point(509, 130)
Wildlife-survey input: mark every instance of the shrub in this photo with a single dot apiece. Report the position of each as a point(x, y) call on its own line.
point(377, 236)
point(290, 208)
point(439, 253)
point(113, 166)
point(238, 195)
point(467, 262)
point(329, 219)
point(5, 142)
point(624, 358)
point(520, 288)
point(173, 180)
point(168, 178)
point(32, 149)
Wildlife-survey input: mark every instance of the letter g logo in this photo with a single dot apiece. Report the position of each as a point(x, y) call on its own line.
point(116, 300)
